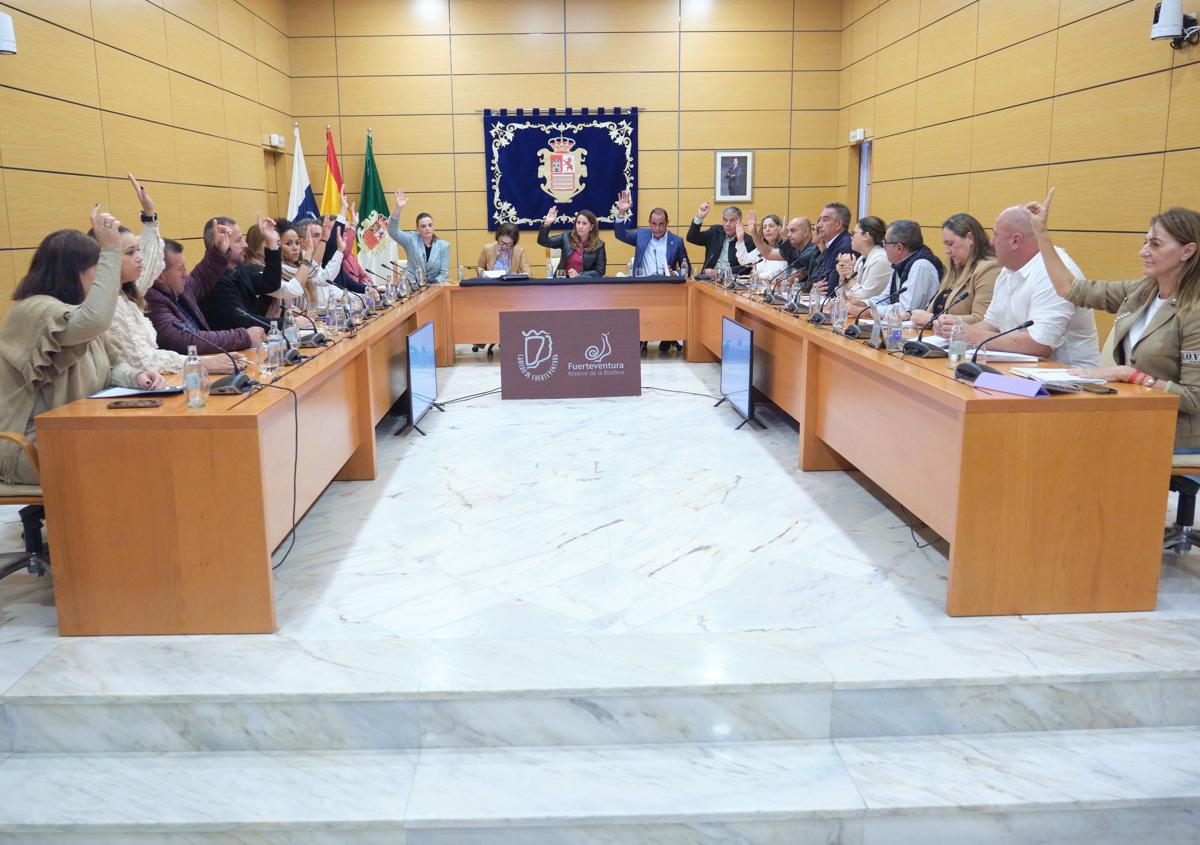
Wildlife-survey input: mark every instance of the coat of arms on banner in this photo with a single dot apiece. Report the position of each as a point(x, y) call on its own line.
point(372, 231)
point(562, 170)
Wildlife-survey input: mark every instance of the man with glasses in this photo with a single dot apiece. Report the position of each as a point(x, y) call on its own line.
point(719, 241)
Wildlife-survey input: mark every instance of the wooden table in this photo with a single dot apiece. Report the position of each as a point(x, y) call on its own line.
point(475, 311)
point(1049, 505)
point(170, 515)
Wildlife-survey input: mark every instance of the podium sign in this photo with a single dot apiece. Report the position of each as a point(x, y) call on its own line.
point(570, 354)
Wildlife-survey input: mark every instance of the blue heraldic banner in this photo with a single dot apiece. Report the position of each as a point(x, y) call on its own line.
point(575, 160)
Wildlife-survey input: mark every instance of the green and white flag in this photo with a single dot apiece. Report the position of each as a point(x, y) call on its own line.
point(376, 248)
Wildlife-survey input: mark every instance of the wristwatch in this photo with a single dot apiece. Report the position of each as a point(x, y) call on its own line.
point(1150, 381)
point(153, 218)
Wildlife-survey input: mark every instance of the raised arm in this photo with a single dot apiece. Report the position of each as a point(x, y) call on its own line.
point(149, 241)
point(694, 235)
point(1039, 218)
point(621, 221)
point(94, 315)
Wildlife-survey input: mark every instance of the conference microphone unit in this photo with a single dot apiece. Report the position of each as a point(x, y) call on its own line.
point(230, 385)
point(292, 356)
point(253, 317)
point(971, 370)
point(918, 348)
point(317, 338)
point(386, 281)
point(855, 329)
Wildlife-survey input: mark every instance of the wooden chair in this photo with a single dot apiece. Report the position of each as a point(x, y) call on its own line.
point(1181, 537)
point(36, 558)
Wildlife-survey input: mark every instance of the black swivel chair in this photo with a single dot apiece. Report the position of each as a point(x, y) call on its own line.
point(36, 558)
point(1180, 538)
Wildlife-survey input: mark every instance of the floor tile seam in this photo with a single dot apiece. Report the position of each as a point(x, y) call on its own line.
point(35, 664)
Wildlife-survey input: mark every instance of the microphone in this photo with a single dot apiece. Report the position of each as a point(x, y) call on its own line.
point(412, 282)
point(855, 330)
point(230, 385)
point(317, 338)
point(918, 347)
point(973, 369)
point(292, 356)
point(387, 281)
point(254, 317)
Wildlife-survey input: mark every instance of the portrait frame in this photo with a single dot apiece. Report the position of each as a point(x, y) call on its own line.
point(733, 175)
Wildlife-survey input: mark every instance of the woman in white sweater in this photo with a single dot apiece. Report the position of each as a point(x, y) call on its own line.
point(772, 234)
point(869, 273)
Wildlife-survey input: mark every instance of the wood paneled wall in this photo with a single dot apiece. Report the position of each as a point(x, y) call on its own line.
point(980, 104)
point(706, 75)
point(179, 91)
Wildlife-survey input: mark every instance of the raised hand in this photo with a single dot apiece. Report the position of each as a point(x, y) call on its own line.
point(341, 242)
point(751, 221)
point(142, 195)
point(551, 216)
point(739, 229)
point(702, 212)
point(221, 237)
point(401, 199)
point(106, 227)
point(1039, 213)
point(342, 195)
point(352, 219)
point(624, 203)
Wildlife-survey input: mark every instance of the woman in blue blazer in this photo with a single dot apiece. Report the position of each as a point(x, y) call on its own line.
point(582, 251)
point(423, 248)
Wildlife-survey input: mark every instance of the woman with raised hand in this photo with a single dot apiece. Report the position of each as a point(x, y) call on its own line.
point(581, 252)
point(422, 246)
point(771, 234)
point(53, 348)
point(1157, 330)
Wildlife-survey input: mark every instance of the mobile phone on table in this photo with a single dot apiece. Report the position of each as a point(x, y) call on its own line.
point(1102, 389)
point(118, 404)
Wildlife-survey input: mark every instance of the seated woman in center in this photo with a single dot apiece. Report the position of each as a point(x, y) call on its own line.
point(582, 251)
point(973, 271)
point(771, 233)
point(504, 255)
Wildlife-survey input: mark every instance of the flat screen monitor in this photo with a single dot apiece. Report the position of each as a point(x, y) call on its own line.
point(422, 372)
point(737, 362)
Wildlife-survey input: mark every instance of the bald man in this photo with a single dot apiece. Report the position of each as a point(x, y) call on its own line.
point(798, 249)
point(1060, 330)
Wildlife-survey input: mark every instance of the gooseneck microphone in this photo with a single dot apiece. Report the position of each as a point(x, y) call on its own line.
point(855, 330)
point(399, 287)
point(971, 370)
point(918, 347)
point(317, 338)
point(253, 317)
point(292, 356)
point(230, 385)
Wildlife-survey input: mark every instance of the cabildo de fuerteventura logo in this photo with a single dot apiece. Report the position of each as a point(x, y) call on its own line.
point(538, 361)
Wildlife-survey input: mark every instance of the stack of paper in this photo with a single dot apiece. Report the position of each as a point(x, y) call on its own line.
point(1050, 375)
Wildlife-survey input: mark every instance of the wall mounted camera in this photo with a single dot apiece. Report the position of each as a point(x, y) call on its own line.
point(1171, 24)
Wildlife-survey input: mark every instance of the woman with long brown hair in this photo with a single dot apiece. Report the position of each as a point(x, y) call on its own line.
point(972, 267)
point(581, 250)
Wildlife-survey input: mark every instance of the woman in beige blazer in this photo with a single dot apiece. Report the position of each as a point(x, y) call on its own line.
point(971, 267)
point(505, 252)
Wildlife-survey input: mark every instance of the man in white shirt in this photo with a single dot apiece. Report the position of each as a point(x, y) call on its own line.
point(916, 271)
point(1060, 330)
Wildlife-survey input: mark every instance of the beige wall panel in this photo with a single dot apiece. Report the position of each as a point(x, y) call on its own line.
point(936, 198)
point(392, 17)
point(852, 10)
point(896, 64)
point(749, 91)
point(996, 190)
point(815, 129)
point(417, 173)
point(39, 203)
point(943, 149)
point(864, 37)
point(273, 122)
point(312, 135)
point(535, 51)
point(52, 61)
point(841, 165)
point(808, 202)
point(439, 205)
point(147, 149)
point(197, 105)
point(1180, 185)
point(239, 72)
point(892, 200)
point(130, 85)
point(898, 19)
point(844, 88)
point(658, 169)
point(733, 130)
point(75, 15)
point(736, 50)
point(896, 111)
point(612, 51)
point(311, 18)
point(525, 90)
point(469, 174)
point(945, 96)
point(246, 167)
point(766, 201)
point(862, 79)
point(271, 46)
point(191, 50)
point(843, 126)
point(1018, 74)
point(312, 57)
point(1073, 10)
point(1119, 119)
point(814, 89)
point(274, 88)
point(615, 15)
point(316, 95)
point(661, 131)
point(1107, 34)
point(468, 134)
point(411, 134)
point(814, 167)
point(651, 198)
point(8, 282)
point(816, 51)
point(393, 55)
point(395, 95)
point(273, 12)
point(846, 47)
point(198, 205)
point(202, 13)
point(689, 204)
point(73, 146)
point(934, 10)
point(650, 91)
point(487, 16)
point(1124, 193)
point(730, 17)
point(949, 42)
point(814, 15)
point(892, 158)
point(999, 26)
point(1012, 137)
point(235, 25)
point(134, 26)
point(201, 158)
point(241, 119)
point(1104, 255)
point(246, 204)
point(1183, 130)
point(858, 116)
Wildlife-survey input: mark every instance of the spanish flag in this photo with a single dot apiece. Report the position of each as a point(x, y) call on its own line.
point(331, 199)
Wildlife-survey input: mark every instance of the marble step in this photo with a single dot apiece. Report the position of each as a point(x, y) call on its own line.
point(1100, 787)
point(275, 694)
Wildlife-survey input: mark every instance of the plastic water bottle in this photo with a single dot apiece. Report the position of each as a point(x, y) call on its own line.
point(462, 272)
point(290, 332)
point(957, 346)
point(195, 380)
point(629, 268)
point(276, 345)
point(895, 329)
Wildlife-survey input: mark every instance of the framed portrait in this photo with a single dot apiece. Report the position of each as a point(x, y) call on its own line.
point(734, 177)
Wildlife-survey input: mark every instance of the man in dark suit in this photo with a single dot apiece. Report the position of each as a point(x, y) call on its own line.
point(832, 229)
point(658, 251)
point(719, 241)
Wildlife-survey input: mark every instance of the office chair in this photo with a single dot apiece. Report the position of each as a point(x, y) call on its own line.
point(1180, 538)
point(36, 559)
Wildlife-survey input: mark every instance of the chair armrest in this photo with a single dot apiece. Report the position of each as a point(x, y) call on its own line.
point(27, 447)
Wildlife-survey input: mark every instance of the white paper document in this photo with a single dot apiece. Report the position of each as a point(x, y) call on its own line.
point(123, 392)
point(992, 354)
point(1050, 375)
